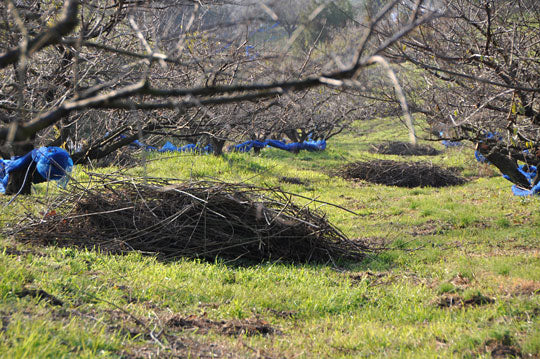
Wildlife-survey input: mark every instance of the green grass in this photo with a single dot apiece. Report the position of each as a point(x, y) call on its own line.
point(470, 241)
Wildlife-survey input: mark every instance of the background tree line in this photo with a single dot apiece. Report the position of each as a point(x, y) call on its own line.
point(217, 71)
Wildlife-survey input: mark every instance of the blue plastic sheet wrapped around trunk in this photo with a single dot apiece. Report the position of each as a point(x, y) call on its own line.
point(530, 173)
point(168, 147)
point(52, 163)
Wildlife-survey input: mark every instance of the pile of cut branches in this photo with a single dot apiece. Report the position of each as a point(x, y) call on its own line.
point(403, 149)
point(401, 174)
point(198, 220)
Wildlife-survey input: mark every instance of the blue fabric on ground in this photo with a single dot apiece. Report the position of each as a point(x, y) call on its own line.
point(52, 163)
point(137, 143)
point(188, 148)
point(168, 147)
point(3, 164)
point(277, 144)
point(308, 145)
point(11, 165)
point(248, 145)
point(242, 147)
point(480, 157)
point(525, 192)
point(315, 145)
point(530, 173)
point(447, 143)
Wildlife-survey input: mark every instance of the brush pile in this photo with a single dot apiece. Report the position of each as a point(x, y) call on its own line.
point(197, 220)
point(401, 174)
point(403, 149)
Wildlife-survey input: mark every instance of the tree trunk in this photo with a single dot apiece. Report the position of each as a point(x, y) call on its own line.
point(21, 181)
point(217, 146)
point(292, 135)
point(504, 163)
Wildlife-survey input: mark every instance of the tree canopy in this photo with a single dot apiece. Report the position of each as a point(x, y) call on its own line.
point(88, 72)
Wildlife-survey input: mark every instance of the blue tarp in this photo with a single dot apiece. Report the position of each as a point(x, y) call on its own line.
point(480, 157)
point(169, 147)
point(447, 143)
point(137, 143)
point(489, 136)
point(308, 145)
point(247, 146)
point(52, 163)
point(530, 173)
point(525, 192)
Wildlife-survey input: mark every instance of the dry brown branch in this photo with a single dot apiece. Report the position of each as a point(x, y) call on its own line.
point(401, 174)
point(50, 36)
point(199, 220)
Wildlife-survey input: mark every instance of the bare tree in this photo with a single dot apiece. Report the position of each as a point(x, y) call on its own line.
point(479, 77)
point(93, 71)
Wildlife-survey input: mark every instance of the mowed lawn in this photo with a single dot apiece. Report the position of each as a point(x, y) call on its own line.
point(455, 272)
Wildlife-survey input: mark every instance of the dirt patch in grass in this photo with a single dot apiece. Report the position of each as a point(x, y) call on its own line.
point(19, 251)
point(5, 319)
point(287, 314)
point(401, 174)
point(515, 286)
point(40, 294)
point(494, 251)
point(501, 348)
point(461, 281)
point(452, 300)
point(293, 180)
point(201, 220)
point(386, 278)
point(202, 325)
point(523, 287)
point(152, 339)
point(181, 347)
point(378, 278)
point(403, 149)
point(431, 228)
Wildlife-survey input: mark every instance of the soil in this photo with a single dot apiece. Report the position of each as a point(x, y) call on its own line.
point(248, 327)
point(456, 301)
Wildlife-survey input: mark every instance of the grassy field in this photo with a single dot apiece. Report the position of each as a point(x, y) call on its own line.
point(460, 276)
